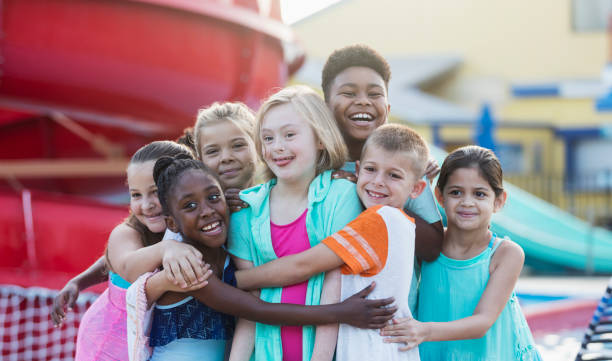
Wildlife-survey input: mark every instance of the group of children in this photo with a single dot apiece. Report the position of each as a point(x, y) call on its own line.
point(301, 242)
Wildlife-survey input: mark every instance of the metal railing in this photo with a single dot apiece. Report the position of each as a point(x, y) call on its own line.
point(587, 196)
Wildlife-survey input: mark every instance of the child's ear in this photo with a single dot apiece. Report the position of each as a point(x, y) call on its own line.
point(439, 197)
point(171, 224)
point(356, 167)
point(418, 188)
point(500, 201)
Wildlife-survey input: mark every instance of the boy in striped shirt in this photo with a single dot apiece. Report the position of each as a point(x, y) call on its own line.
point(378, 246)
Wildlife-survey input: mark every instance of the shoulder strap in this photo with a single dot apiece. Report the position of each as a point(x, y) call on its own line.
point(496, 244)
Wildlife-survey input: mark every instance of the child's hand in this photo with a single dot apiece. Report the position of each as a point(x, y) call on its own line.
point(342, 174)
point(183, 264)
point(363, 313)
point(171, 287)
point(233, 200)
point(407, 331)
point(432, 170)
point(65, 298)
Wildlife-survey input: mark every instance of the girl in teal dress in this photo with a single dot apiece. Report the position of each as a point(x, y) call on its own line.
point(467, 306)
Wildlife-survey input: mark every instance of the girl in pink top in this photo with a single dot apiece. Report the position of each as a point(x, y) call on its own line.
point(290, 239)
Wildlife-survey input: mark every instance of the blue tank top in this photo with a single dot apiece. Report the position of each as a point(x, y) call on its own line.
point(189, 318)
point(118, 280)
point(450, 289)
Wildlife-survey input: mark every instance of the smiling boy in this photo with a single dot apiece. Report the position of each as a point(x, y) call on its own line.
point(355, 82)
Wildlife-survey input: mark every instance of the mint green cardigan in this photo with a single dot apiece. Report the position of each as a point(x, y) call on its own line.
point(331, 205)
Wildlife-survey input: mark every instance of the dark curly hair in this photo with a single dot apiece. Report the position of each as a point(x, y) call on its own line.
point(167, 171)
point(353, 55)
point(187, 140)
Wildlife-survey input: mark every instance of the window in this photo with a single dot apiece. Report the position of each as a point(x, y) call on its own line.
point(593, 169)
point(591, 15)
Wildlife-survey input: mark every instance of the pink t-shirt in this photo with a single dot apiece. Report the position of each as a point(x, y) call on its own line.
point(286, 240)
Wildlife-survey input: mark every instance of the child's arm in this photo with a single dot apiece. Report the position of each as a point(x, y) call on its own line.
point(243, 342)
point(244, 339)
point(130, 259)
point(158, 284)
point(96, 273)
point(356, 310)
point(429, 229)
point(427, 239)
point(290, 269)
point(327, 335)
point(505, 268)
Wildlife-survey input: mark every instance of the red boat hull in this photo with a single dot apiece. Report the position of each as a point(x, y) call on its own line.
point(128, 71)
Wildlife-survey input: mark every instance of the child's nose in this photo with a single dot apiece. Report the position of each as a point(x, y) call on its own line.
point(278, 145)
point(363, 99)
point(467, 200)
point(379, 179)
point(227, 155)
point(150, 203)
point(206, 211)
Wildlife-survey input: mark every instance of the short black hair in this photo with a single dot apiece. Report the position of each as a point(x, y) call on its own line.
point(353, 55)
point(167, 171)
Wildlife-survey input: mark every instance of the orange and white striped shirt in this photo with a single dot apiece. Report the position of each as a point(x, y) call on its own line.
point(377, 246)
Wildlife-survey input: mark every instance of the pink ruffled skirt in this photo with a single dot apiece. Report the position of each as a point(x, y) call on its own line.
point(102, 332)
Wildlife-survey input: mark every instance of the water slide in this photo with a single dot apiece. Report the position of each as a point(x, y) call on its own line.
point(551, 238)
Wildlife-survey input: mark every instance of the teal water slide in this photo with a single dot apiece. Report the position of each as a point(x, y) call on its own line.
point(550, 237)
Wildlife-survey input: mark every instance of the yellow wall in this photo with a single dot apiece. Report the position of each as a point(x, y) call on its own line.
point(500, 43)
point(561, 112)
point(519, 39)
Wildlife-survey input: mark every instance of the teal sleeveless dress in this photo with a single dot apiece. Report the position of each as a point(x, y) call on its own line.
point(450, 290)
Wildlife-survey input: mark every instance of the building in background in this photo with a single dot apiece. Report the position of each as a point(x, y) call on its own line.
point(538, 65)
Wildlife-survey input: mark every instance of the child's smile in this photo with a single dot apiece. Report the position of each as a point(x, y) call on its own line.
point(144, 203)
point(358, 99)
point(469, 200)
point(386, 178)
point(230, 152)
point(290, 146)
point(283, 161)
point(198, 209)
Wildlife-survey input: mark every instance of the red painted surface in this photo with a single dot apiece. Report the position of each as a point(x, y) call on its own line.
point(131, 71)
point(68, 233)
point(553, 317)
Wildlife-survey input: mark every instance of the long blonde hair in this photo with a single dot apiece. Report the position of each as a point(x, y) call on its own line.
point(311, 107)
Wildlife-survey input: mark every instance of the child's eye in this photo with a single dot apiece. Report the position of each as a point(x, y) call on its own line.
point(375, 95)
point(214, 197)
point(239, 145)
point(369, 169)
point(267, 138)
point(135, 195)
point(290, 135)
point(396, 176)
point(455, 192)
point(190, 205)
point(348, 94)
point(480, 194)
